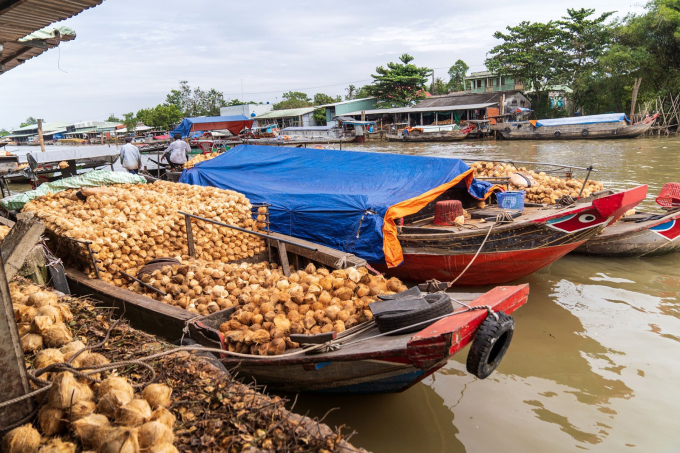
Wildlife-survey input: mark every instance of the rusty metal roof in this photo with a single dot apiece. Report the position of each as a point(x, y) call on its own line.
point(16, 52)
point(448, 100)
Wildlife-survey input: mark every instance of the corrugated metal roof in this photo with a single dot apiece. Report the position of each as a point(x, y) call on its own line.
point(285, 113)
point(47, 127)
point(456, 99)
point(345, 102)
point(421, 109)
point(15, 53)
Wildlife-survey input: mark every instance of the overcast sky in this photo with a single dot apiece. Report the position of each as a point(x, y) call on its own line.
point(129, 54)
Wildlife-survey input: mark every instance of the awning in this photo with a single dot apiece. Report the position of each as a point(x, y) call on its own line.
point(233, 124)
point(587, 119)
point(347, 200)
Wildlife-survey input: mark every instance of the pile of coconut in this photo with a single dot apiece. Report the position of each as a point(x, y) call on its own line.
point(200, 158)
point(539, 187)
point(131, 224)
point(4, 231)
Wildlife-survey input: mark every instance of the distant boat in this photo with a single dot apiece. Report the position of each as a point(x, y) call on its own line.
point(610, 125)
point(431, 133)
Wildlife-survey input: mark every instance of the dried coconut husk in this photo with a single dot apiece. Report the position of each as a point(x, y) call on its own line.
point(24, 328)
point(24, 313)
point(57, 335)
point(52, 312)
point(134, 413)
point(79, 410)
point(157, 395)
point(90, 429)
point(47, 357)
point(51, 420)
point(164, 416)
point(71, 348)
point(120, 440)
point(114, 399)
point(24, 439)
point(58, 446)
point(41, 324)
point(163, 448)
point(31, 342)
point(65, 312)
point(154, 433)
point(66, 391)
point(116, 383)
point(41, 298)
point(92, 359)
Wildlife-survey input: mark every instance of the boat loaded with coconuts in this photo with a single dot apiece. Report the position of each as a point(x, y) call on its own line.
point(610, 125)
point(189, 262)
point(419, 218)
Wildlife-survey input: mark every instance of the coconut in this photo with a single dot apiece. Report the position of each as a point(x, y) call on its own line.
point(25, 313)
point(79, 410)
point(31, 342)
point(71, 348)
point(163, 448)
point(24, 439)
point(58, 446)
point(66, 391)
point(164, 416)
point(134, 413)
point(41, 298)
point(51, 420)
point(91, 360)
point(51, 312)
point(157, 395)
point(90, 429)
point(41, 324)
point(114, 399)
point(47, 357)
point(57, 335)
point(65, 312)
point(116, 383)
point(119, 440)
point(154, 433)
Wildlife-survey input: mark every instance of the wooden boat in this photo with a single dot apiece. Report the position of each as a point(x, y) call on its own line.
point(432, 133)
point(370, 364)
point(608, 126)
point(498, 252)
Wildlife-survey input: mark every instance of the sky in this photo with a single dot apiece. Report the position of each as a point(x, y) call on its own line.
point(129, 54)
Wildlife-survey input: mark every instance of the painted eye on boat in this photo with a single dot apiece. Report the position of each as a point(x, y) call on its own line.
point(586, 218)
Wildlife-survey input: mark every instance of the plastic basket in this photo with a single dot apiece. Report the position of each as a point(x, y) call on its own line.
point(669, 195)
point(511, 200)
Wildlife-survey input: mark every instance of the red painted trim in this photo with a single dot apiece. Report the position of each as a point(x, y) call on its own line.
point(617, 204)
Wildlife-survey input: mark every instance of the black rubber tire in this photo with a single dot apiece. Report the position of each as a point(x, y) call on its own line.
point(585, 132)
point(506, 130)
point(440, 305)
point(490, 344)
point(557, 134)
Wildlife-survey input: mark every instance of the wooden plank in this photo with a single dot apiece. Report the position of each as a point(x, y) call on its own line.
point(324, 255)
point(283, 256)
point(19, 242)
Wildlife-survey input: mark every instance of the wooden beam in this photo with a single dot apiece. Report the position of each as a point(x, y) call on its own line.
point(15, 55)
point(41, 139)
point(35, 43)
point(19, 242)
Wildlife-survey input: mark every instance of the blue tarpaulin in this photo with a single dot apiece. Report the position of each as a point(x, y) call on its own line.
point(347, 200)
point(588, 119)
point(234, 124)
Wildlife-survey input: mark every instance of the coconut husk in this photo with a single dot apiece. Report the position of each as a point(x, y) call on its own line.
point(57, 335)
point(163, 448)
point(58, 446)
point(41, 324)
point(65, 312)
point(41, 298)
point(116, 383)
point(71, 348)
point(164, 416)
point(25, 313)
point(134, 413)
point(79, 410)
point(31, 342)
point(157, 395)
point(66, 391)
point(24, 439)
point(120, 440)
point(47, 357)
point(114, 399)
point(51, 420)
point(154, 433)
point(52, 312)
point(90, 429)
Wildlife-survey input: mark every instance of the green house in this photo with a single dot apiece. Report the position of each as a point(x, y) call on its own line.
point(352, 105)
point(488, 82)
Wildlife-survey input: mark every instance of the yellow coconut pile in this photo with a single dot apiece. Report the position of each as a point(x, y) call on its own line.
point(543, 189)
point(131, 224)
point(310, 301)
point(4, 231)
point(200, 158)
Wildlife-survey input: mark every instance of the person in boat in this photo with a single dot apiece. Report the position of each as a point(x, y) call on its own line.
point(130, 157)
point(176, 153)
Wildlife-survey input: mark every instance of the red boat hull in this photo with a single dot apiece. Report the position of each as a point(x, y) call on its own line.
point(487, 269)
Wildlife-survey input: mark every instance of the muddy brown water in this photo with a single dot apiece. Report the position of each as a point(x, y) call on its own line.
point(594, 361)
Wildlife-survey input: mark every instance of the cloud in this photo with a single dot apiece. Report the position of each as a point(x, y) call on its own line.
point(129, 54)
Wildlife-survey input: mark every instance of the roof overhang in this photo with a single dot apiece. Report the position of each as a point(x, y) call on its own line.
point(443, 109)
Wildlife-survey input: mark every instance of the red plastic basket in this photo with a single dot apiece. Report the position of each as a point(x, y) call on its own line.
point(669, 195)
point(445, 212)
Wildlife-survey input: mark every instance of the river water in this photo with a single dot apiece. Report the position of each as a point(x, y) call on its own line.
point(593, 364)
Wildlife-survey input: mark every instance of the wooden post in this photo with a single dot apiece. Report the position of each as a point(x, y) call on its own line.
point(436, 116)
point(421, 118)
point(636, 87)
point(19, 242)
point(40, 136)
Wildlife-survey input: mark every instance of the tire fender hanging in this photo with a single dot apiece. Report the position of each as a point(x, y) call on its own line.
point(490, 344)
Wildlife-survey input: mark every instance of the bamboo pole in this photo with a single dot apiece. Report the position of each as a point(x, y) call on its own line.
point(636, 87)
point(40, 136)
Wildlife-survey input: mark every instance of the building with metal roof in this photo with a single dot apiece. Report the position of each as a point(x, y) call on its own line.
point(343, 107)
point(301, 117)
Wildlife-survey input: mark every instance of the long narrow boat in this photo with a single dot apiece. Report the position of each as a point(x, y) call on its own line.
point(495, 252)
point(366, 363)
point(431, 133)
point(589, 127)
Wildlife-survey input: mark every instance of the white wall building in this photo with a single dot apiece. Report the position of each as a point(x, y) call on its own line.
point(249, 110)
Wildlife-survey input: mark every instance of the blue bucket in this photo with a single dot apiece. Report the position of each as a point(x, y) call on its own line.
point(511, 200)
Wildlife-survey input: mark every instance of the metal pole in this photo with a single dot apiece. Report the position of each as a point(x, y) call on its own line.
point(585, 181)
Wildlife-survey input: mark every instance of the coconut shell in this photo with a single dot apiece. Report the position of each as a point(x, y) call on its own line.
point(47, 357)
point(276, 346)
point(51, 420)
point(71, 348)
point(120, 440)
point(164, 416)
point(41, 324)
point(57, 335)
point(154, 433)
point(51, 312)
point(58, 446)
point(41, 298)
point(31, 342)
point(157, 395)
point(79, 410)
point(66, 391)
point(25, 314)
point(24, 439)
point(134, 413)
point(116, 383)
point(114, 399)
point(162, 448)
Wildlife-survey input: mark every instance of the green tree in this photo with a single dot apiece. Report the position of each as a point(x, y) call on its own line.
point(196, 102)
point(400, 84)
point(457, 74)
point(319, 114)
point(113, 119)
point(363, 92)
point(351, 92)
point(3, 132)
point(130, 122)
point(293, 100)
point(439, 87)
point(29, 122)
point(532, 53)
